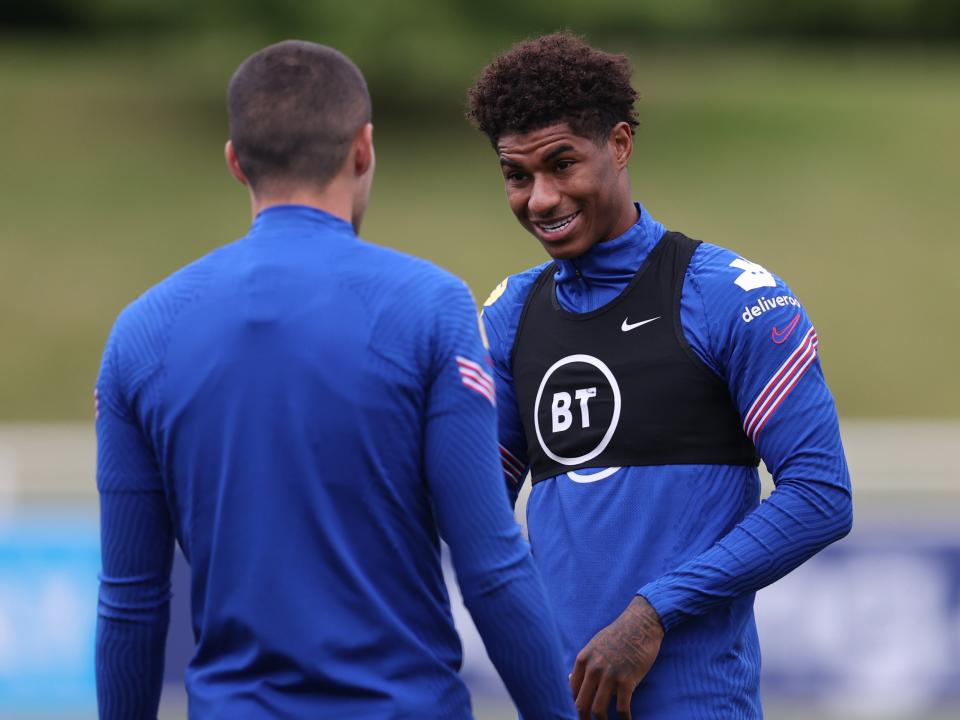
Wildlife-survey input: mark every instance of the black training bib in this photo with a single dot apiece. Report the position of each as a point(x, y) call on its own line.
point(621, 386)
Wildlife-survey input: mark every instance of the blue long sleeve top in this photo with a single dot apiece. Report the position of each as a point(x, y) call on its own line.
point(307, 415)
point(694, 540)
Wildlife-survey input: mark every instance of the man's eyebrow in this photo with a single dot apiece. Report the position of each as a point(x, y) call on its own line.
point(558, 151)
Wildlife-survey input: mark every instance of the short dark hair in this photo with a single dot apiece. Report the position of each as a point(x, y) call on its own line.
point(294, 108)
point(552, 79)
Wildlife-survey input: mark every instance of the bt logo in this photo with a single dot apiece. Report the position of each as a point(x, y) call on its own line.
point(577, 409)
point(560, 408)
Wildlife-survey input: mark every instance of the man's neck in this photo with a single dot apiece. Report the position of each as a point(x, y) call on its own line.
point(334, 200)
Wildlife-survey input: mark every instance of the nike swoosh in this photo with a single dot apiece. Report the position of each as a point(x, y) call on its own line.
point(627, 327)
point(780, 336)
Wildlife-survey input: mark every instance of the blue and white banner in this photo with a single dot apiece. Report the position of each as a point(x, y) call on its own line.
point(869, 628)
point(49, 561)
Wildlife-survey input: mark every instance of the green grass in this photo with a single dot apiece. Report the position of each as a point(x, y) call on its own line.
point(837, 169)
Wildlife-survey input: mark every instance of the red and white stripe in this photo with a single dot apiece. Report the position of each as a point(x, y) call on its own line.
point(512, 467)
point(477, 379)
point(780, 385)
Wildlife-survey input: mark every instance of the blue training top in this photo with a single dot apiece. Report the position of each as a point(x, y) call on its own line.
point(302, 410)
point(694, 540)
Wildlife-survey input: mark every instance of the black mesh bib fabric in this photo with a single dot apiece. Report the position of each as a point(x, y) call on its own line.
point(620, 386)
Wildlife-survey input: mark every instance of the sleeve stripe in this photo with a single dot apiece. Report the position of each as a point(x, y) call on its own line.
point(475, 372)
point(512, 468)
point(479, 378)
point(780, 385)
point(509, 459)
point(796, 378)
point(781, 371)
point(511, 478)
point(482, 389)
point(463, 362)
point(476, 378)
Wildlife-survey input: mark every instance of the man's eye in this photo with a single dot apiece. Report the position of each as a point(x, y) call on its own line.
point(564, 164)
point(516, 177)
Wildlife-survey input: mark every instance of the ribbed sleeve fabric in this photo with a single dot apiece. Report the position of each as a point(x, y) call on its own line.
point(136, 541)
point(136, 538)
point(134, 604)
point(500, 585)
point(796, 522)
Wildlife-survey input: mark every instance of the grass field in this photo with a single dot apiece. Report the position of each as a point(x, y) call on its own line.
point(838, 169)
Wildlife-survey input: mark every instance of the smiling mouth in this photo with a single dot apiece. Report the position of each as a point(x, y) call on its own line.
point(557, 225)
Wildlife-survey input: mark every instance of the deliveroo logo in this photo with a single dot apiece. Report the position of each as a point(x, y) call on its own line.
point(753, 276)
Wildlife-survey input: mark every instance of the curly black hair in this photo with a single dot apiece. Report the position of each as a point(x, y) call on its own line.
point(552, 79)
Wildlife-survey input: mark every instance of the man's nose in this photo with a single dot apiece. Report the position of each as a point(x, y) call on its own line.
point(544, 198)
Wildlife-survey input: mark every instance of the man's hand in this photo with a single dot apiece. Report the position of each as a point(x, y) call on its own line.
point(616, 660)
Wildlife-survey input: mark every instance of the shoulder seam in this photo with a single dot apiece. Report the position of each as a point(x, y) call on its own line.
point(695, 281)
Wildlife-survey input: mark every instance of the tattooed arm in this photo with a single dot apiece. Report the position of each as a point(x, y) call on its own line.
point(616, 660)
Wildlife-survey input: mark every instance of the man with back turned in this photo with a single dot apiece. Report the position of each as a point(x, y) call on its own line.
point(307, 415)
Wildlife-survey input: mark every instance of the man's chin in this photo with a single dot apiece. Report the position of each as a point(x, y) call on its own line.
point(564, 250)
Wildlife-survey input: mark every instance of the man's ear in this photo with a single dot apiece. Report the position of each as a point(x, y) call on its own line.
point(620, 142)
point(363, 156)
point(230, 155)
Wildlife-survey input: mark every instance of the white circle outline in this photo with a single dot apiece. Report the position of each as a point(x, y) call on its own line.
point(598, 364)
point(592, 477)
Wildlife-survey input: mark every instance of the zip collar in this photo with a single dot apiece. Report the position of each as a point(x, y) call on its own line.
point(587, 282)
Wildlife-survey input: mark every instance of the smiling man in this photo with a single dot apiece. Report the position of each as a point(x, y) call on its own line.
point(640, 377)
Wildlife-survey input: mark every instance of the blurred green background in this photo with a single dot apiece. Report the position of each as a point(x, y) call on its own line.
point(816, 138)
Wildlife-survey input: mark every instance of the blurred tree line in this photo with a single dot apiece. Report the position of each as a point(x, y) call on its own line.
point(897, 19)
point(416, 54)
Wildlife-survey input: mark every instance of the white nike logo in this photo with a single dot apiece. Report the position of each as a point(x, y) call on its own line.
point(627, 327)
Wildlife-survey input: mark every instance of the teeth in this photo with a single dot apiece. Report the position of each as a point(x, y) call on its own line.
point(557, 226)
